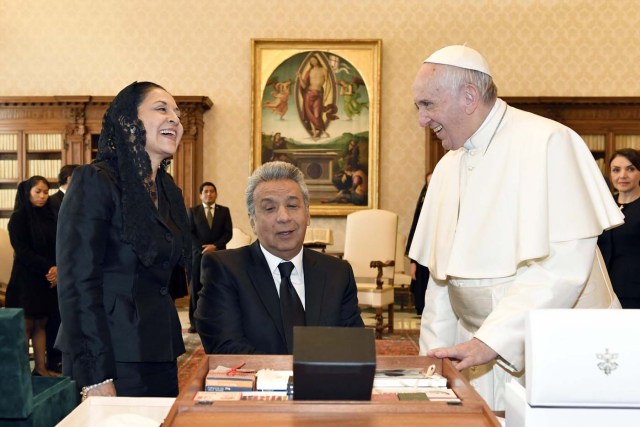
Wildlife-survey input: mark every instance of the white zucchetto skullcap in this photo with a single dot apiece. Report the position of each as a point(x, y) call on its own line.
point(460, 56)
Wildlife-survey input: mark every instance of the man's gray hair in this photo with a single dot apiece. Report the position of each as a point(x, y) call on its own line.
point(455, 78)
point(274, 171)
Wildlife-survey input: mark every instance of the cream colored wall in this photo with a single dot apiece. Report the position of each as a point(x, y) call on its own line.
point(535, 48)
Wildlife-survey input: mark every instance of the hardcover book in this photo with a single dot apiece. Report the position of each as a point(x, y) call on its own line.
point(219, 380)
point(272, 380)
point(407, 378)
point(212, 396)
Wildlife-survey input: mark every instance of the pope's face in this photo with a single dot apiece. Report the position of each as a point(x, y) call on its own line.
point(624, 175)
point(281, 217)
point(439, 107)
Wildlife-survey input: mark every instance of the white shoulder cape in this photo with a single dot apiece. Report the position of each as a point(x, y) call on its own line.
point(537, 183)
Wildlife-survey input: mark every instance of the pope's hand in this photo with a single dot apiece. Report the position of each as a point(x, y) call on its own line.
point(464, 355)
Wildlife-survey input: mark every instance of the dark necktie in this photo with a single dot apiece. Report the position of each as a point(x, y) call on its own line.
point(290, 305)
point(209, 216)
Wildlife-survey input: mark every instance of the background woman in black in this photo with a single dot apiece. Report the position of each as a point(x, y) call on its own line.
point(620, 246)
point(419, 273)
point(32, 230)
point(122, 230)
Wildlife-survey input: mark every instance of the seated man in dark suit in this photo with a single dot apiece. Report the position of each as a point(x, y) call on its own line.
point(211, 230)
point(253, 296)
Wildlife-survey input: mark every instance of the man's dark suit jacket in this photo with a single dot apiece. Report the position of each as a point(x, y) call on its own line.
point(53, 323)
point(55, 201)
point(219, 234)
point(239, 308)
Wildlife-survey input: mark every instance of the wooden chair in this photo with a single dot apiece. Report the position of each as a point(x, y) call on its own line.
point(370, 248)
point(402, 278)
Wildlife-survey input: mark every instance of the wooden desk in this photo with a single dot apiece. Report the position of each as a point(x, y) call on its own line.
point(472, 412)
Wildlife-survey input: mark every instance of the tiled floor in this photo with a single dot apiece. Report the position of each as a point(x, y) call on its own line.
point(402, 319)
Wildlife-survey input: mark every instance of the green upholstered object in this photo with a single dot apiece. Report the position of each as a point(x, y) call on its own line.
point(15, 377)
point(53, 399)
point(27, 400)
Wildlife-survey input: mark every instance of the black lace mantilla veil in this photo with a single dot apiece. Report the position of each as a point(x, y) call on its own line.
point(121, 146)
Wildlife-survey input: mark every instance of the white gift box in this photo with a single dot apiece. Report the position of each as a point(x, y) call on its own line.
point(583, 358)
point(520, 414)
point(100, 411)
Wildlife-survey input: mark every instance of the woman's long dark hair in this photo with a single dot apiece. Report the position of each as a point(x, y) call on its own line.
point(122, 146)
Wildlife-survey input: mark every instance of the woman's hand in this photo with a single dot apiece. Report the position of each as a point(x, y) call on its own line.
point(52, 276)
point(412, 270)
point(107, 389)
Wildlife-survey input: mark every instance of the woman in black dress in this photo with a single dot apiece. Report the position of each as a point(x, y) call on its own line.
point(32, 286)
point(620, 246)
point(122, 231)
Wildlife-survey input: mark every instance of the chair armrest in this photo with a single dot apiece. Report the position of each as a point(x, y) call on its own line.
point(380, 265)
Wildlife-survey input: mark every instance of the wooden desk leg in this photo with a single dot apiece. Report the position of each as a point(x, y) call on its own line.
point(390, 316)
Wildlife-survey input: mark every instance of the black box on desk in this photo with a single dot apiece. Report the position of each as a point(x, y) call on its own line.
point(331, 363)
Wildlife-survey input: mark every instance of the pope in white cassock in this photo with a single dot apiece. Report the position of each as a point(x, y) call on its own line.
point(509, 223)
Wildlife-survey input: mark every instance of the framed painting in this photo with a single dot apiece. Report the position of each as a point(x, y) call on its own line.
point(316, 104)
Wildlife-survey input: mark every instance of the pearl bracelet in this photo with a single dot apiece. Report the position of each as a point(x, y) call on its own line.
point(85, 389)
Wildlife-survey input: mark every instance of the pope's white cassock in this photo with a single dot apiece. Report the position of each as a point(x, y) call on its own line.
point(509, 224)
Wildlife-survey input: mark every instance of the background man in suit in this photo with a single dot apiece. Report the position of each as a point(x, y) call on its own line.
point(54, 357)
point(247, 305)
point(64, 178)
point(211, 230)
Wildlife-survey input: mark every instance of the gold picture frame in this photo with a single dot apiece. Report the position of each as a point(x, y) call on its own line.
point(316, 104)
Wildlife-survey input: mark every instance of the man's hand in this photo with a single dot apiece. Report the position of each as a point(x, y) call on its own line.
point(469, 353)
point(412, 270)
point(208, 248)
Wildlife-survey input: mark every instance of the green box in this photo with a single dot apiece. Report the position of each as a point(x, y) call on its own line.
point(26, 400)
point(15, 377)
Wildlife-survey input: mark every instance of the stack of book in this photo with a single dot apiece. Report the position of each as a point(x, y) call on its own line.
point(272, 380)
point(411, 384)
point(407, 378)
point(224, 384)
